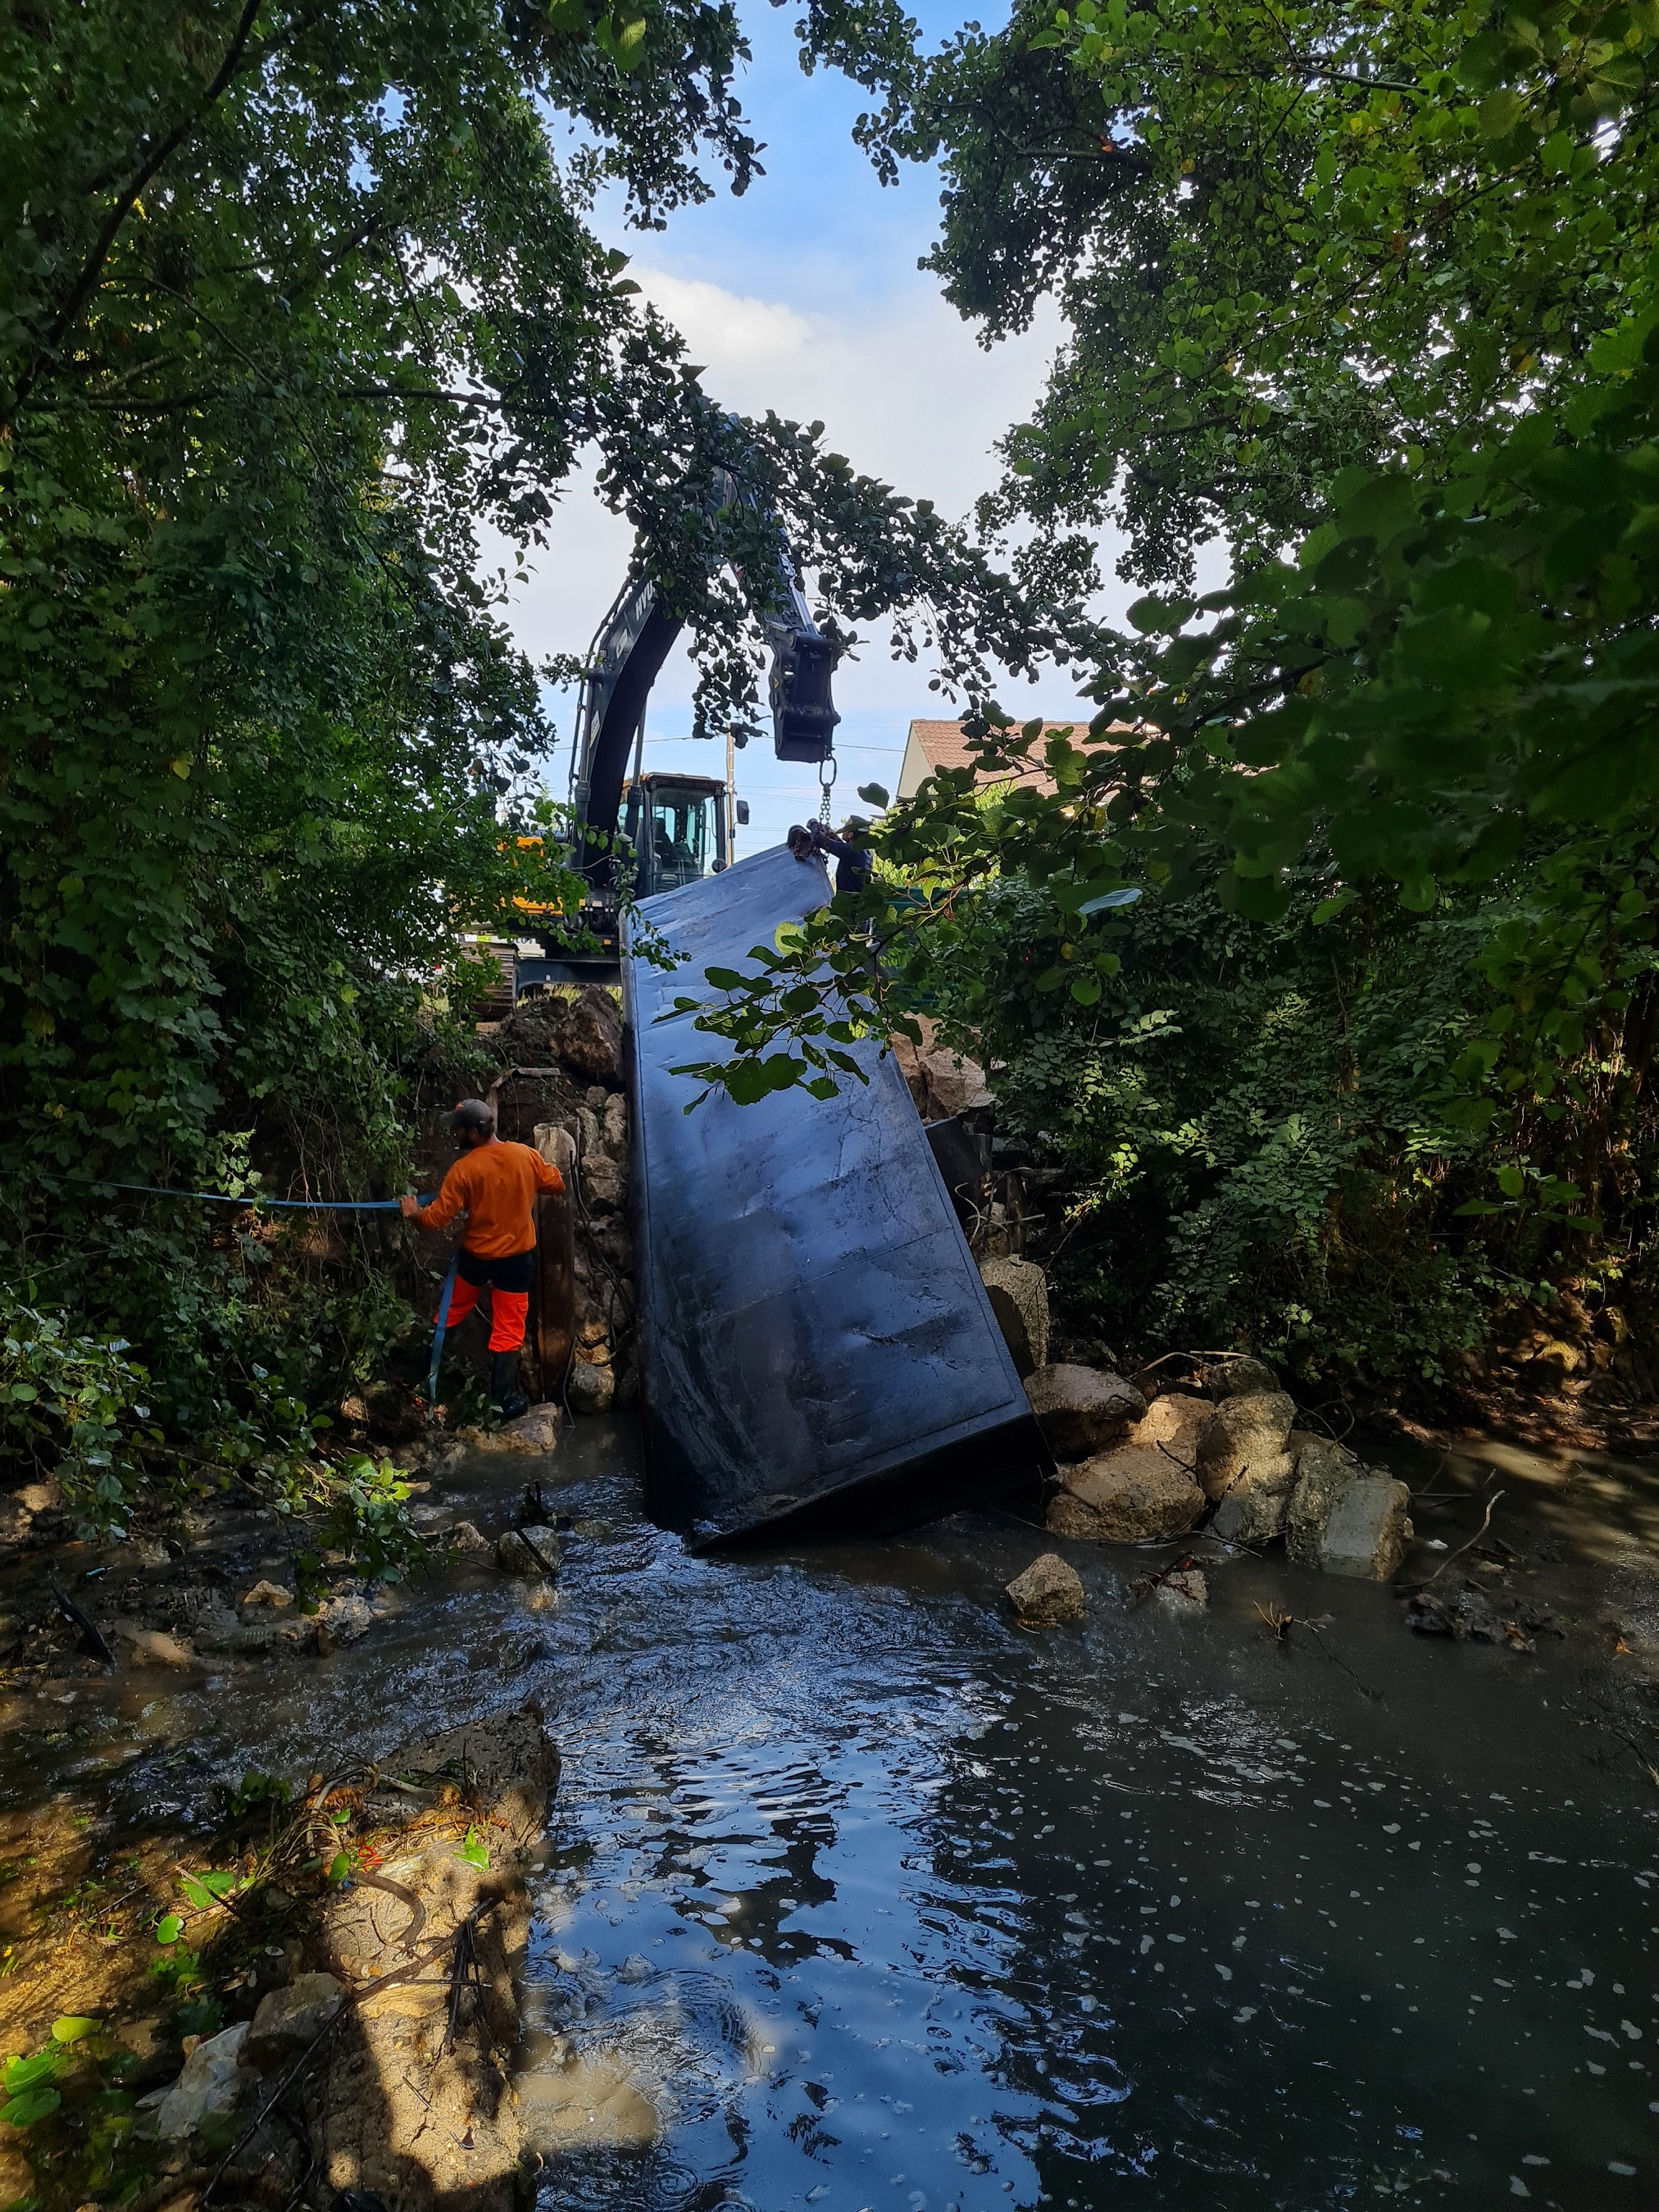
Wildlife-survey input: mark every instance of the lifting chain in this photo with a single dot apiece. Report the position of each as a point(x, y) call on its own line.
point(826, 785)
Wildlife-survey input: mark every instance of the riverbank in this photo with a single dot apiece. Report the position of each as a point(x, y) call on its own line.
point(841, 1804)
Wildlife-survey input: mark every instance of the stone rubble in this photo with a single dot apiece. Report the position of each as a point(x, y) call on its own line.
point(1128, 1495)
point(1019, 1298)
point(1081, 1410)
point(1049, 1592)
point(1133, 1472)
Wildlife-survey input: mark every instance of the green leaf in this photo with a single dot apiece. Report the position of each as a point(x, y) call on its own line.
point(74, 2027)
point(1511, 1181)
point(1339, 902)
point(34, 2105)
point(474, 1850)
point(873, 794)
point(169, 1929)
point(22, 2074)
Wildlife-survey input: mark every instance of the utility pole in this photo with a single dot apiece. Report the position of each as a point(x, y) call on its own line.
point(730, 796)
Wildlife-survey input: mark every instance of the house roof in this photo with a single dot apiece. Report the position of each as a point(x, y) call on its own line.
point(932, 746)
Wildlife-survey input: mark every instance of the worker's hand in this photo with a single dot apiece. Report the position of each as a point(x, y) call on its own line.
point(410, 1206)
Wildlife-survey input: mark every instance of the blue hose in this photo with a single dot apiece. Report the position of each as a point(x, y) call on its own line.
point(445, 1296)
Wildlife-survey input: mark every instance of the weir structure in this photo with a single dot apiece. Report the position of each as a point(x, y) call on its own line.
point(817, 1354)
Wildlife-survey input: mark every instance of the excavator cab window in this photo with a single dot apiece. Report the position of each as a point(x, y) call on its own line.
point(685, 836)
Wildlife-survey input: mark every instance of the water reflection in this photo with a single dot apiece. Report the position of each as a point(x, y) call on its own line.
point(858, 1897)
point(877, 1902)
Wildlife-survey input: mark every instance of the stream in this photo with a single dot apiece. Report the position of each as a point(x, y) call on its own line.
point(857, 1895)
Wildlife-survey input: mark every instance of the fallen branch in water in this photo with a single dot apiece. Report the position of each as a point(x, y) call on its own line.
point(91, 1634)
point(1415, 1590)
point(1278, 1626)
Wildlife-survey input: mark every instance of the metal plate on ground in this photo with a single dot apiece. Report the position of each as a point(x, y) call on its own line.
point(817, 1354)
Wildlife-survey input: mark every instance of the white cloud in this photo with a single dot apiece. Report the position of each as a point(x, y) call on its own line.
point(906, 395)
point(723, 329)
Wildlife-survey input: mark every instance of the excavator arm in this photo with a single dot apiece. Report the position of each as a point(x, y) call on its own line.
point(629, 650)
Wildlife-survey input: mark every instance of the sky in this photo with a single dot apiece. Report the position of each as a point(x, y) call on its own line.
point(804, 296)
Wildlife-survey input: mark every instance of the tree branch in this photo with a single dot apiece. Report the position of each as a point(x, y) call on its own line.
point(86, 282)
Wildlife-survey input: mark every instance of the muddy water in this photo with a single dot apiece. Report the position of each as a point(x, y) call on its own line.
point(857, 1896)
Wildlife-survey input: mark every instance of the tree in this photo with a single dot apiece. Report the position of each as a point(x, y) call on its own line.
point(1371, 293)
point(1285, 240)
point(295, 302)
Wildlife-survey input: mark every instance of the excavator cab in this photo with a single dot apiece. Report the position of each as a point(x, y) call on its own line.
point(676, 826)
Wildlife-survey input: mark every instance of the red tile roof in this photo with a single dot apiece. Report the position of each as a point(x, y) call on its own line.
point(941, 745)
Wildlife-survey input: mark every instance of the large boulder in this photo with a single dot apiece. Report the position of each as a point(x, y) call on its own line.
point(1018, 1292)
point(590, 1036)
point(1174, 1425)
point(1368, 1529)
point(1323, 1470)
point(1247, 1433)
point(1185, 1591)
point(1253, 1507)
point(1344, 1518)
point(1047, 1593)
point(955, 1085)
point(1082, 1410)
point(1238, 1375)
point(1132, 1495)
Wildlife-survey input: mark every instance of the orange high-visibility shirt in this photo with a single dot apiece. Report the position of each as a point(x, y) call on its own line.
point(495, 1185)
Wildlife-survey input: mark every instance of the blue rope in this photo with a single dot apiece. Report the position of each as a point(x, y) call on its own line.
point(307, 1205)
point(224, 1198)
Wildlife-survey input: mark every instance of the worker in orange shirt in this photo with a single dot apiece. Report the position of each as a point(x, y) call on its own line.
point(494, 1185)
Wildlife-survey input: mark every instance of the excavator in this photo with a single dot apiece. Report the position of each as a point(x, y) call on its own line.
point(817, 1352)
point(678, 828)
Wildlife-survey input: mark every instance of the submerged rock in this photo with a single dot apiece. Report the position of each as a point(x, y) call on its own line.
point(1183, 1591)
point(344, 1620)
point(1019, 1292)
point(1248, 1434)
point(1081, 1410)
point(465, 1537)
point(152, 1647)
point(528, 1552)
point(1130, 1495)
point(591, 1386)
point(1047, 1593)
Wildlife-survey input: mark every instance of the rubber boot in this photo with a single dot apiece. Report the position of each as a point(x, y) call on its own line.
point(508, 1399)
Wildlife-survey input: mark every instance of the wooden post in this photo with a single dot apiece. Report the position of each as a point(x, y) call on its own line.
point(556, 1262)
